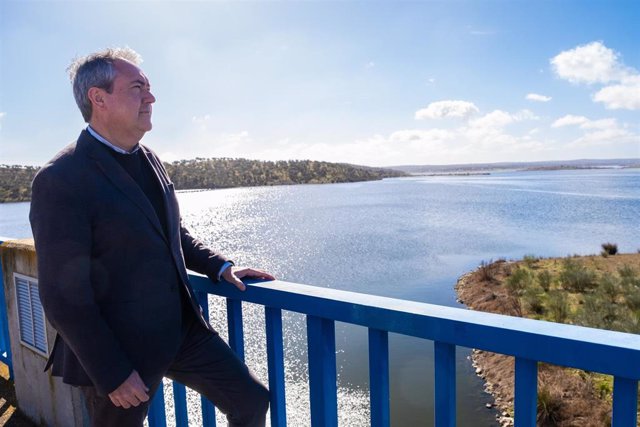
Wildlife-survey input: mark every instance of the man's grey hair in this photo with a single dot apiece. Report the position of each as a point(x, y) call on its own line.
point(97, 70)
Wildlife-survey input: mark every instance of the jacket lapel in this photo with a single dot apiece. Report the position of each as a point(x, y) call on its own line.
point(119, 177)
point(167, 191)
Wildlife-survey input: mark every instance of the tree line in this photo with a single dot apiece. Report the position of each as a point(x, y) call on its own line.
point(201, 173)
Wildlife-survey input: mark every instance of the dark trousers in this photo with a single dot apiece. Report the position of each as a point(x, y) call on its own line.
point(206, 364)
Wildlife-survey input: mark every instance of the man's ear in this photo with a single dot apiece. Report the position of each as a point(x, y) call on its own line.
point(96, 96)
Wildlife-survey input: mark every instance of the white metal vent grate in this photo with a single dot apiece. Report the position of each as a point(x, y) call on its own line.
point(33, 331)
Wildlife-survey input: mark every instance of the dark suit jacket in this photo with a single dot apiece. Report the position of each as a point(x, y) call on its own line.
point(109, 276)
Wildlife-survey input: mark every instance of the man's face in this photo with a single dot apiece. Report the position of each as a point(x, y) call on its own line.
point(129, 103)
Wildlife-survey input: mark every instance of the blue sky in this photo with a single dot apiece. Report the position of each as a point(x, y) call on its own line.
point(374, 83)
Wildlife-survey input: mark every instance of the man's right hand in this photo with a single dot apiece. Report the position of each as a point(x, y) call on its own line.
point(130, 393)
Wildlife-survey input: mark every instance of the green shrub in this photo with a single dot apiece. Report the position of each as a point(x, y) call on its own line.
point(533, 300)
point(604, 386)
point(544, 280)
point(558, 306)
point(520, 280)
point(488, 270)
point(609, 249)
point(598, 312)
point(574, 277)
point(629, 278)
point(632, 300)
point(530, 260)
point(549, 408)
point(630, 322)
point(609, 288)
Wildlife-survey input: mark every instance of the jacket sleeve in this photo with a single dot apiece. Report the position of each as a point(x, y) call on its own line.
point(61, 225)
point(199, 258)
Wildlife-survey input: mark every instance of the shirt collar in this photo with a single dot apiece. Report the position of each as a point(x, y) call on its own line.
point(100, 138)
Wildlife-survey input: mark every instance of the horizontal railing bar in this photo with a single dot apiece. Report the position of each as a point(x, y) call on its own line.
point(608, 352)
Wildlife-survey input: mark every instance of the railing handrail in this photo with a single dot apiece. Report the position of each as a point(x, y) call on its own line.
point(607, 352)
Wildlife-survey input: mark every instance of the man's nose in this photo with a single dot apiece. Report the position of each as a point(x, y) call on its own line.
point(149, 98)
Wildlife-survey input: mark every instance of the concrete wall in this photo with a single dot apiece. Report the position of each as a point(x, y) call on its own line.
point(44, 399)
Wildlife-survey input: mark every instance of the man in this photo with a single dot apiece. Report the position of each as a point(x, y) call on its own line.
point(112, 259)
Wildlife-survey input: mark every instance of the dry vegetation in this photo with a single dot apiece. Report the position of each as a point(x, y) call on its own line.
point(598, 291)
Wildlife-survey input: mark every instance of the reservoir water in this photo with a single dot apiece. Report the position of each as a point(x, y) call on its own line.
point(408, 238)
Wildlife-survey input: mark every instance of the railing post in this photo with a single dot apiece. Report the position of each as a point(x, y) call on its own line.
point(379, 377)
point(180, 404)
point(234, 320)
point(526, 392)
point(275, 361)
point(5, 342)
point(625, 402)
point(208, 410)
point(321, 341)
point(445, 384)
point(157, 416)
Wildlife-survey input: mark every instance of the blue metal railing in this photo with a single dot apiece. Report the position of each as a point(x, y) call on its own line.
point(529, 341)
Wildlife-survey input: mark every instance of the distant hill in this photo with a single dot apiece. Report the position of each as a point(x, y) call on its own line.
point(15, 181)
point(226, 172)
point(547, 165)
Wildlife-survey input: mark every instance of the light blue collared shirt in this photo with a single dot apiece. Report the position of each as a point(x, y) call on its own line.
point(102, 139)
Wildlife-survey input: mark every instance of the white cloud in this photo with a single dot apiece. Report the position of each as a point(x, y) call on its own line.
point(480, 32)
point(447, 109)
point(595, 63)
point(537, 97)
point(569, 120)
point(609, 136)
point(201, 119)
point(205, 142)
point(601, 132)
point(494, 119)
point(429, 135)
point(498, 135)
point(621, 96)
point(590, 63)
point(525, 115)
point(237, 138)
point(600, 124)
point(585, 123)
point(370, 65)
point(500, 119)
point(201, 122)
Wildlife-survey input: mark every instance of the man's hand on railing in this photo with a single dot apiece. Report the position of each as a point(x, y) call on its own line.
point(233, 275)
point(131, 392)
